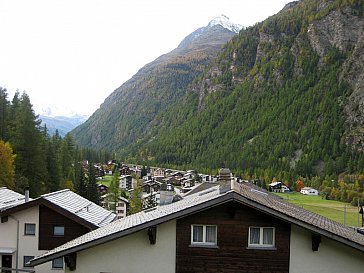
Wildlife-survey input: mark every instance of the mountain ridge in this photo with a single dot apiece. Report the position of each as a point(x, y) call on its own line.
point(151, 90)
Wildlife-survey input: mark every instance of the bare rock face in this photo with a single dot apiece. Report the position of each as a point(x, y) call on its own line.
point(207, 86)
point(345, 31)
point(353, 73)
point(338, 29)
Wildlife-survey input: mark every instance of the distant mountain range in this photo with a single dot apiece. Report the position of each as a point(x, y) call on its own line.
point(62, 123)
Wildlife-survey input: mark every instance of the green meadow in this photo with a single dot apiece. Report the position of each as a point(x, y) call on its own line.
point(338, 211)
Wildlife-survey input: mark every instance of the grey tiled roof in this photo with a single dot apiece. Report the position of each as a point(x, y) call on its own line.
point(9, 198)
point(245, 193)
point(81, 207)
point(67, 200)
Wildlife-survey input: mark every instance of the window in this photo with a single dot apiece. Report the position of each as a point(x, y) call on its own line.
point(57, 263)
point(203, 235)
point(58, 230)
point(27, 259)
point(261, 236)
point(29, 229)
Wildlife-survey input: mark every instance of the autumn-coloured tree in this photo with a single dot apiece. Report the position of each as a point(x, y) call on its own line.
point(299, 185)
point(6, 165)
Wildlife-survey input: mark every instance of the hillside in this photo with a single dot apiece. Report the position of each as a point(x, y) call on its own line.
point(130, 111)
point(283, 98)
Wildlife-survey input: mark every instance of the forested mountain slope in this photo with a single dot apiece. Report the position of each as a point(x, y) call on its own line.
point(130, 111)
point(284, 97)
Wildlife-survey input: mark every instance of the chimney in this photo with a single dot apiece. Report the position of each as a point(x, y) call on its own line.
point(166, 194)
point(224, 180)
point(26, 194)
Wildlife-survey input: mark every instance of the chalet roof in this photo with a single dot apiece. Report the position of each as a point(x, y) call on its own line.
point(81, 207)
point(200, 187)
point(244, 193)
point(275, 183)
point(9, 198)
point(65, 202)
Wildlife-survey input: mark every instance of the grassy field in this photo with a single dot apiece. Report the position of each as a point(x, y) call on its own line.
point(106, 181)
point(329, 208)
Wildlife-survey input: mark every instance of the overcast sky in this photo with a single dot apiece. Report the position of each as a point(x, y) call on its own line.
point(72, 54)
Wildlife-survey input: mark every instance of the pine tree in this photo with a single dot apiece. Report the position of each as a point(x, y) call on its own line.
point(53, 166)
point(4, 108)
point(92, 190)
point(81, 181)
point(67, 158)
point(27, 144)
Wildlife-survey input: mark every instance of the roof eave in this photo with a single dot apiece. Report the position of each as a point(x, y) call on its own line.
point(298, 222)
point(229, 196)
point(211, 203)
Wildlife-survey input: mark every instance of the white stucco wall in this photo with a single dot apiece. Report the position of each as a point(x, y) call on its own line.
point(331, 257)
point(132, 254)
point(28, 244)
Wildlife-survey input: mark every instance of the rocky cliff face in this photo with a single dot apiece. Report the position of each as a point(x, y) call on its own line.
point(353, 73)
point(342, 29)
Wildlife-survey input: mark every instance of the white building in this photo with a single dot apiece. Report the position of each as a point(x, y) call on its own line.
point(309, 191)
point(126, 182)
point(122, 207)
point(30, 227)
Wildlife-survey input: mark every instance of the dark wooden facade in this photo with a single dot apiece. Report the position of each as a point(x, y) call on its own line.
point(48, 218)
point(232, 253)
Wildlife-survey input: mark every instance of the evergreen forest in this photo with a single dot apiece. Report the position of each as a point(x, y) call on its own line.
point(30, 157)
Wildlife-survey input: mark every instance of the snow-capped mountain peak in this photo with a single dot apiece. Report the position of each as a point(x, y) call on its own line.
point(55, 111)
point(225, 22)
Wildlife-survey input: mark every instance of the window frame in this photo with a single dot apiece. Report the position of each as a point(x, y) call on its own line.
point(27, 258)
point(26, 231)
point(59, 235)
point(204, 234)
point(57, 267)
point(261, 238)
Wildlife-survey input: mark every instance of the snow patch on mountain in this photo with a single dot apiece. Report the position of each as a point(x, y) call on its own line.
point(225, 22)
point(55, 111)
point(222, 21)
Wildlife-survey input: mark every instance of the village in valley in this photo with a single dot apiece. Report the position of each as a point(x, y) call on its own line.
point(155, 185)
point(160, 186)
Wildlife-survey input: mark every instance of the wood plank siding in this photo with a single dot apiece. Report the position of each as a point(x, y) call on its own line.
point(49, 218)
point(232, 253)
